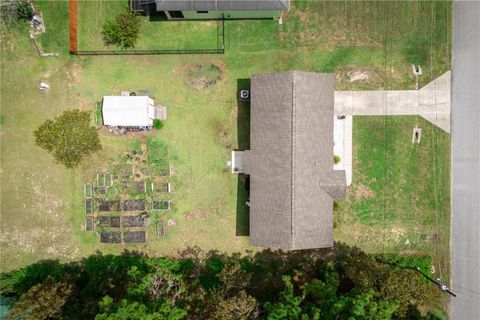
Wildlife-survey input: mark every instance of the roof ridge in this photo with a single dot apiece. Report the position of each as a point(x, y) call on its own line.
point(292, 163)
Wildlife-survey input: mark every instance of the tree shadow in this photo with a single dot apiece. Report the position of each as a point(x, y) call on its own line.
point(243, 139)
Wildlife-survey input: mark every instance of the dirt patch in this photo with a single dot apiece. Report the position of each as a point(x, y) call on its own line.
point(202, 76)
point(362, 191)
point(354, 76)
point(193, 215)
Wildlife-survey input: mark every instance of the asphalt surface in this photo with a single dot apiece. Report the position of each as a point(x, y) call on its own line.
point(465, 133)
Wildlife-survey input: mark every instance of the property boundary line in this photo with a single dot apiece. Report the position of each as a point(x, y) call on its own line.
point(73, 25)
point(73, 43)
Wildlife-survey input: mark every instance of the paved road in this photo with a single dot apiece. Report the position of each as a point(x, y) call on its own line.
point(431, 102)
point(465, 244)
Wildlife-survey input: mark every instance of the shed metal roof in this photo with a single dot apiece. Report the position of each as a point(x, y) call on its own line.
point(128, 111)
point(221, 5)
point(290, 162)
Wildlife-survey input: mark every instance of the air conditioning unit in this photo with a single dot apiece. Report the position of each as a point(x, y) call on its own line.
point(245, 95)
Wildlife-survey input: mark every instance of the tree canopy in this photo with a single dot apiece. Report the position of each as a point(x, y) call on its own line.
point(342, 283)
point(69, 137)
point(123, 30)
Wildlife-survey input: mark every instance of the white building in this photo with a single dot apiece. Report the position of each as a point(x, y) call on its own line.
point(131, 111)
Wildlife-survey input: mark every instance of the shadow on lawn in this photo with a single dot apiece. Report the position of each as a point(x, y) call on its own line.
point(243, 181)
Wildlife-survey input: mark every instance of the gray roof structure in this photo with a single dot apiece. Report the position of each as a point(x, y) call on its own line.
point(290, 162)
point(221, 5)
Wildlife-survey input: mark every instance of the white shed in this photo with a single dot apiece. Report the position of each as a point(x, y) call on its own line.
point(131, 111)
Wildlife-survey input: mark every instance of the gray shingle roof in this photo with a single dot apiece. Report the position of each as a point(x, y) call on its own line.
point(221, 5)
point(290, 162)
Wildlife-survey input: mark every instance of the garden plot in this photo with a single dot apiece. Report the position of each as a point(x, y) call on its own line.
point(134, 237)
point(136, 177)
point(89, 224)
point(160, 187)
point(122, 171)
point(108, 222)
point(134, 205)
point(110, 237)
point(161, 205)
point(88, 190)
point(135, 187)
point(134, 221)
point(161, 228)
point(104, 179)
point(88, 206)
point(109, 205)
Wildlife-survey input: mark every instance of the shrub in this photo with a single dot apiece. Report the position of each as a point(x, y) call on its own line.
point(122, 31)
point(69, 137)
point(336, 159)
point(157, 123)
point(24, 10)
point(13, 11)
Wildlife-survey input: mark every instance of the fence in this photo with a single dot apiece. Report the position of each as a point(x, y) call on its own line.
point(74, 42)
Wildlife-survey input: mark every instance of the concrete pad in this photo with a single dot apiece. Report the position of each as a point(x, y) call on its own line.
point(343, 145)
point(343, 102)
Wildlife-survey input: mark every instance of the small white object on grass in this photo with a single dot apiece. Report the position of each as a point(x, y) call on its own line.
point(44, 86)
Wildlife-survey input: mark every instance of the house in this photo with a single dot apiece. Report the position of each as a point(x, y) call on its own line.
point(290, 161)
point(131, 111)
point(212, 9)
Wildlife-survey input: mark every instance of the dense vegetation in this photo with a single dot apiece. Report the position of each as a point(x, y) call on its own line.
point(343, 283)
point(123, 30)
point(69, 137)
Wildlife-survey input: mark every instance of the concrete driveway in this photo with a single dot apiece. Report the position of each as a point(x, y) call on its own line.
point(431, 102)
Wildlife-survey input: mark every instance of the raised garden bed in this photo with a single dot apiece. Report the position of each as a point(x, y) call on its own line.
point(134, 205)
point(161, 205)
point(109, 222)
point(89, 224)
point(110, 237)
point(88, 206)
point(135, 187)
point(88, 190)
point(133, 221)
point(161, 228)
point(134, 237)
point(160, 187)
point(104, 179)
point(105, 205)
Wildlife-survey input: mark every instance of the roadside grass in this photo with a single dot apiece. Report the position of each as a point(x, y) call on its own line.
point(43, 215)
point(399, 200)
point(154, 34)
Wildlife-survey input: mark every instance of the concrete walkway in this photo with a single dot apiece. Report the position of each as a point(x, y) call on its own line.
point(342, 147)
point(431, 102)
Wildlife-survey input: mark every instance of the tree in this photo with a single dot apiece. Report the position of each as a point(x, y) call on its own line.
point(69, 137)
point(24, 10)
point(122, 30)
point(43, 301)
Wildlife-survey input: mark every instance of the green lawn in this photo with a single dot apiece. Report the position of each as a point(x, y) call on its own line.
point(42, 202)
point(154, 34)
point(399, 201)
